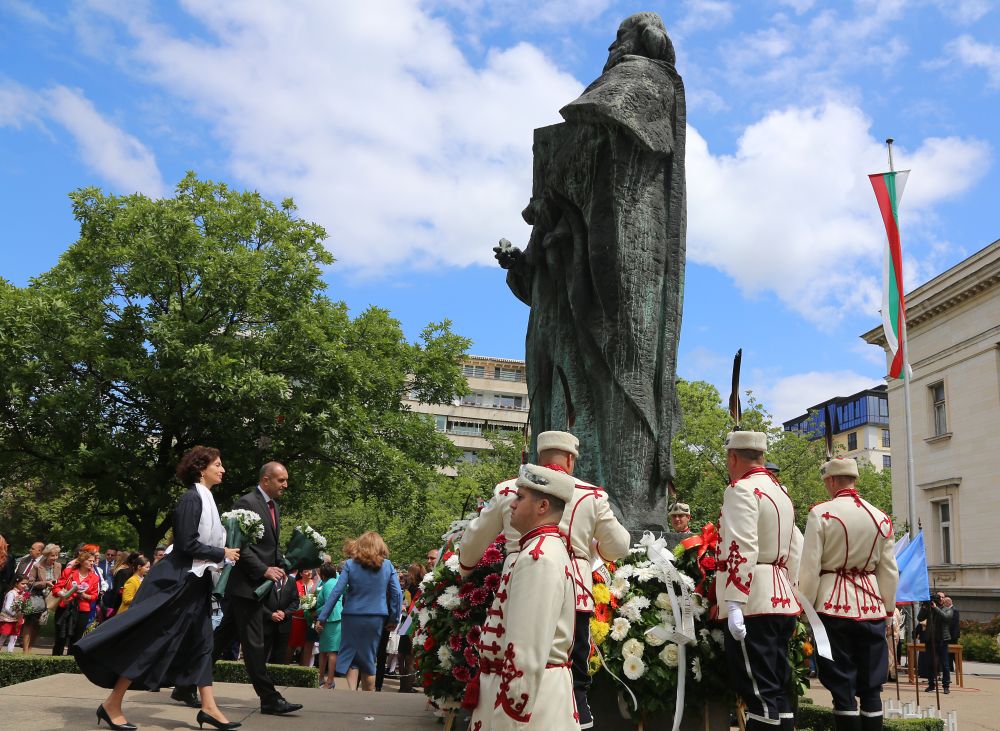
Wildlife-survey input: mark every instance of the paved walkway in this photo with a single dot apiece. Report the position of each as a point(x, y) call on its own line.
point(70, 702)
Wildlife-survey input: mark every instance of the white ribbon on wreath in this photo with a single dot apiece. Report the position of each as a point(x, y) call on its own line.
point(682, 632)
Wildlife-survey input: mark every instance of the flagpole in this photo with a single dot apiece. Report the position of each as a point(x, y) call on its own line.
point(904, 344)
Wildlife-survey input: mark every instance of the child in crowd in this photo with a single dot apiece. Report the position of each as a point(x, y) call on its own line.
point(11, 614)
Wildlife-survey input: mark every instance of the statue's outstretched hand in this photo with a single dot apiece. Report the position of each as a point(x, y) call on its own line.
point(507, 254)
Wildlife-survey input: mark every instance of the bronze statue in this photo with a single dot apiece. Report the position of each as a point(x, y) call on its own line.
point(603, 271)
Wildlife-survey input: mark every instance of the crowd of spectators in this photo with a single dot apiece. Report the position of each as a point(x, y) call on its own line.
point(78, 591)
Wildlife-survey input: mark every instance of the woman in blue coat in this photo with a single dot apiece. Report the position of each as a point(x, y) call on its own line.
point(372, 600)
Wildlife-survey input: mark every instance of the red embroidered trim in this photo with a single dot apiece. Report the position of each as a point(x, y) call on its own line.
point(733, 562)
point(542, 530)
point(507, 491)
point(508, 674)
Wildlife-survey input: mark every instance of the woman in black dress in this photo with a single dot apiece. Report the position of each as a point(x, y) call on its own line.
point(165, 638)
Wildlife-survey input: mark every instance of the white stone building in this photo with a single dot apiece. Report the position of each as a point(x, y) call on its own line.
point(954, 351)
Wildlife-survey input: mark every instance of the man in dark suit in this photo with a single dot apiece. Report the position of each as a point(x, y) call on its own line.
point(259, 562)
point(25, 563)
point(277, 607)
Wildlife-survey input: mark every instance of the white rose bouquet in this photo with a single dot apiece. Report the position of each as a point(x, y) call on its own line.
point(243, 527)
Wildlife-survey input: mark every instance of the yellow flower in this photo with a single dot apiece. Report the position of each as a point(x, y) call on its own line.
point(595, 664)
point(602, 595)
point(599, 631)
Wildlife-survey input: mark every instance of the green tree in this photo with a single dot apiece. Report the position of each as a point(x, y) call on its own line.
point(700, 460)
point(414, 520)
point(201, 319)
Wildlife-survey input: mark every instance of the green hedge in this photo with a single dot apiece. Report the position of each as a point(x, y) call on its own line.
point(821, 719)
point(979, 647)
point(19, 668)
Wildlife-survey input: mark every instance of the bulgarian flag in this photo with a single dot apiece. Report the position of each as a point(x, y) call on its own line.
point(888, 191)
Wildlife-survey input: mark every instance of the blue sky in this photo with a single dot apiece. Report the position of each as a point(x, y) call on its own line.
point(405, 129)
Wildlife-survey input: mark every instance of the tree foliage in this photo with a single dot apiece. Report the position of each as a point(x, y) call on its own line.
point(413, 521)
point(201, 319)
point(700, 459)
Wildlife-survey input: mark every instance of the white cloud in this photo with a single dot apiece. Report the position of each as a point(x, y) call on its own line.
point(792, 396)
point(964, 12)
point(970, 52)
point(116, 155)
point(370, 117)
point(702, 15)
point(18, 106)
point(792, 210)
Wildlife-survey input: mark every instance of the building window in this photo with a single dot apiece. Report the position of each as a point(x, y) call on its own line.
point(886, 461)
point(474, 371)
point(885, 438)
point(938, 409)
point(852, 441)
point(440, 423)
point(507, 374)
point(472, 399)
point(503, 401)
point(465, 428)
point(944, 525)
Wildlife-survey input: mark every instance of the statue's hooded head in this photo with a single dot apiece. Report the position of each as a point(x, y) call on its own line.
point(642, 34)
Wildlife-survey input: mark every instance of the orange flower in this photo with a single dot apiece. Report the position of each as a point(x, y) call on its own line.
point(807, 649)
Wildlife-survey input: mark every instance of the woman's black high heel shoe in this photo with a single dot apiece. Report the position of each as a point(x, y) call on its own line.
point(204, 718)
point(102, 715)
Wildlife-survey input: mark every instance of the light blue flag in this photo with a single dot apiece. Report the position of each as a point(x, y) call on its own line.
point(900, 545)
point(914, 585)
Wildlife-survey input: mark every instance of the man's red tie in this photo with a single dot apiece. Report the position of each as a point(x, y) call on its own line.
point(274, 517)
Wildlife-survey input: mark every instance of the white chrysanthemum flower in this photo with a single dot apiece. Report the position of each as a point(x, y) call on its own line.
point(632, 648)
point(696, 669)
point(637, 549)
point(620, 628)
point(625, 571)
point(698, 607)
point(634, 668)
point(445, 656)
point(449, 598)
point(423, 617)
point(703, 633)
point(663, 600)
point(688, 582)
point(654, 636)
point(643, 564)
point(630, 611)
point(669, 655)
point(453, 563)
point(619, 587)
point(719, 637)
point(647, 573)
point(427, 580)
point(666, 617)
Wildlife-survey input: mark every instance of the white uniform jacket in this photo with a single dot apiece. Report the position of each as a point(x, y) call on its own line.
point(586, 519)
point(533, 628)
point(759, 547)
point(492, 520)
point(848, 563)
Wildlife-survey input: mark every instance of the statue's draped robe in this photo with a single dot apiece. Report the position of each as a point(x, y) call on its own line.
point(603, 275)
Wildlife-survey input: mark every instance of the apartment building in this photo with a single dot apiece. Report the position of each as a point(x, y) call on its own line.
point(859, 422)
point(498, 401)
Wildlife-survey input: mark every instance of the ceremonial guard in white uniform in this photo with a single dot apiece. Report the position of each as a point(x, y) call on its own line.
point(528, 635)
point(849, 574)
point(493, 520)
point(594, 532)
point(759, 552)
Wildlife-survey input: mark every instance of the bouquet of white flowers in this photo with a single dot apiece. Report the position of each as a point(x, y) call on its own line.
point(243, 527)
point(307, 602)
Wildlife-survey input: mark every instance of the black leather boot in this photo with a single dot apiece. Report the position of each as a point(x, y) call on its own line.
point(871, 723)
point(846, 723)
